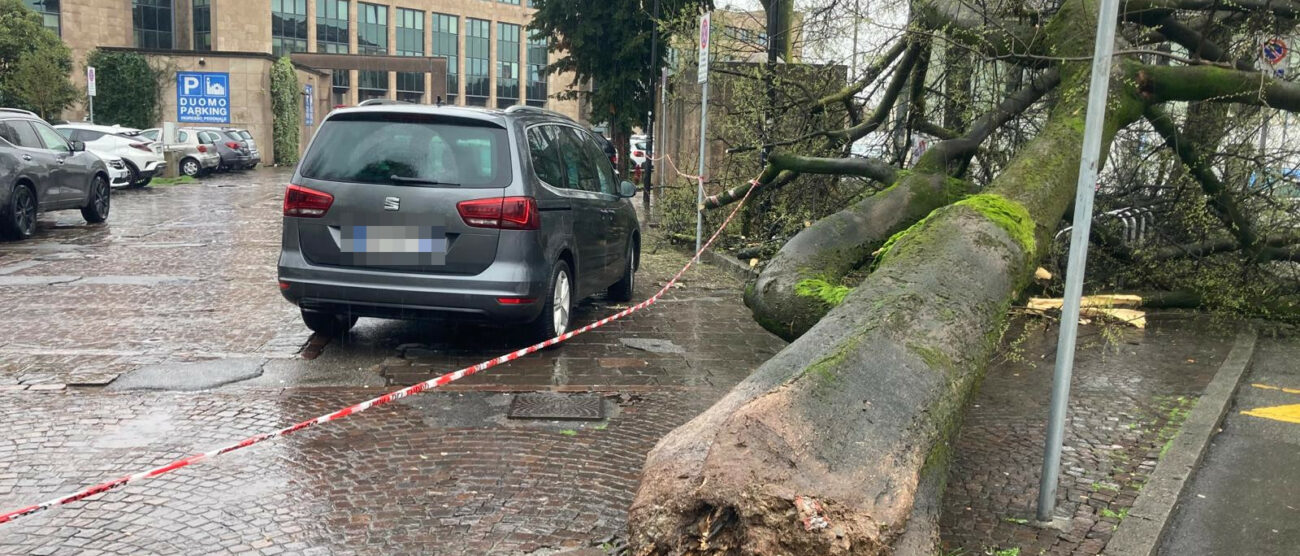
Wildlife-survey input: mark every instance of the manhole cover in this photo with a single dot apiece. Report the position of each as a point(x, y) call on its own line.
point(555, 406)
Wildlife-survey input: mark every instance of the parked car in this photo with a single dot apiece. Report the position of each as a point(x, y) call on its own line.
point(252, 145)
point(638, 150)
point(143, 159)
point(234, 153)
point(118, 176)
point(41, 171)
point(196, 158)
point(424, 212)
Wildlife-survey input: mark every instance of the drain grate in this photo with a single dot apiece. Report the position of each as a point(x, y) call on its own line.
point(582, 407)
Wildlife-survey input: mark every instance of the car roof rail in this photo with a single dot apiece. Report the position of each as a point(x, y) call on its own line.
point(19, 110)
point(536, 110)
point(377, 101)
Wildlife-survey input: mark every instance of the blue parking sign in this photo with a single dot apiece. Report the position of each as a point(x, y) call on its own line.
point(202, 97)
point(308, 111)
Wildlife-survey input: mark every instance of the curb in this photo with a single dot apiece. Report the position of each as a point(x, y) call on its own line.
point(730, 264)
point(1141, 533)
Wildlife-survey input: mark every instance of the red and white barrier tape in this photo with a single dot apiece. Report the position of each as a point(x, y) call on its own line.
point(381, 400)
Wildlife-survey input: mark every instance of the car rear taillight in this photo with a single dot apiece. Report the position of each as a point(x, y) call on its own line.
point(506, 213)
point(638, 154)
point(305, 202)
point(141, 146)
point(203, 148)
point(232, 144)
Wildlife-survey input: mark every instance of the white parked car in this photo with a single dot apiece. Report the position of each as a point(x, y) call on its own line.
point(637, 150)
point(118, 176)
point(142, 157)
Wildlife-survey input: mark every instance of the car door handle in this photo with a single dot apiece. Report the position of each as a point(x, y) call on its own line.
point(27, 158)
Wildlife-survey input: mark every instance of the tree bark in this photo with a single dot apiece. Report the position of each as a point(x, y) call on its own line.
point(838, 444)
point(833, 246)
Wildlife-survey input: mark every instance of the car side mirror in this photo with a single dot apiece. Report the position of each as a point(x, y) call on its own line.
point(78, 146)
point(626, 189)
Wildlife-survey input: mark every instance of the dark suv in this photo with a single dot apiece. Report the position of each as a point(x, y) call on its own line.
point(41, 171)
point(414, 212)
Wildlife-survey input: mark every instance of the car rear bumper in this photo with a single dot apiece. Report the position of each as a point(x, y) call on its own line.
point(399, 295)
point(209, 160)
point(152, 170)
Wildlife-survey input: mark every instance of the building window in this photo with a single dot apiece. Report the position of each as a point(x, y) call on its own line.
point(446, 44)
point(507, 65)
point(373, 84)
point(372, 29)
point(511, 2)
point(340, 84)
point(202, 21)
point(153, 23)
point(477, 50)
point(332, 27)
point(537, 71)
point(410, 86)
point(49, 10)
point(410, 32)
point(288, 26)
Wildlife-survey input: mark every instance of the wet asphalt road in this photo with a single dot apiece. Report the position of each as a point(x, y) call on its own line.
point(162, 333)
point(1245, 497)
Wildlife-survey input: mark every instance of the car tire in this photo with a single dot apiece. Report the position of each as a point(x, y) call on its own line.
point(133, 176)
point(328, 324)
point(557, 312)
point(622, 289)
point(101, 198)
point(20, 215)
point(145, 181)
point(190, 167)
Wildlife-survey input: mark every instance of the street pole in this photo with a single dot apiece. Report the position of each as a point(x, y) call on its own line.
point(704, 126)
point(703, 78)
point(650, 128)
point(90, 100)
point(1098, 90)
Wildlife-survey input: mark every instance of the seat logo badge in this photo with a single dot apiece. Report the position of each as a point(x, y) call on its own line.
point(392, 203)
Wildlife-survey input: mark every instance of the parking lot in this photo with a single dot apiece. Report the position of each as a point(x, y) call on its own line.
point(163, 333)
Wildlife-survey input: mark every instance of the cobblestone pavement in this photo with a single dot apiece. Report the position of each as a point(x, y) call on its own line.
point(1127, 400)
point(186, 274)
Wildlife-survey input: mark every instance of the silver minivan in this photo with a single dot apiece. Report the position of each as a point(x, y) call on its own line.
point(437, 212)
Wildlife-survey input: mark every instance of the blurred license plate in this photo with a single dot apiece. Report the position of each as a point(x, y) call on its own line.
point(393, 239)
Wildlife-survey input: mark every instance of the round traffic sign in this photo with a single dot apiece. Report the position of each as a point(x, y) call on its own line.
point(1275, 50)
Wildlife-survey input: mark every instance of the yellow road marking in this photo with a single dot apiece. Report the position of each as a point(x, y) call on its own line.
point(1284, 413)
point(1279, 388)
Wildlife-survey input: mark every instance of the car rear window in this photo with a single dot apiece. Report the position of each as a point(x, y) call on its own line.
point(245, 135)
point(375, 147)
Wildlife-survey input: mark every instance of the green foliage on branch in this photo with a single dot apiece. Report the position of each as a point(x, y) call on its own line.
point(129, 89)
point(608, 43)
point(34, 63)
point(286, 111)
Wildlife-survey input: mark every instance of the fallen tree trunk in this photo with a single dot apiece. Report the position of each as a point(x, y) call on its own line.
point(839, 443)
point(823, 253)
point(801, 282)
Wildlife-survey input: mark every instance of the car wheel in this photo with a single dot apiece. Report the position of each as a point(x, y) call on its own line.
point(558, 310)
point(328, 324)
point(622, 289)
point(20, 222)
point(96, 210)
point(145, 181)
point(191, 168)
point(133, 176)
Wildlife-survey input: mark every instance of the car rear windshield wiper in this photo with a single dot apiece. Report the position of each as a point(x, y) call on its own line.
point(420, 181)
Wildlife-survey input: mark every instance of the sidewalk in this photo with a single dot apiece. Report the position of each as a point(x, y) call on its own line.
point(1245, 497)
point(1126, 401)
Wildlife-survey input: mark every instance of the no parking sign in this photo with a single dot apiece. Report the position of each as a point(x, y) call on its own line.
point(1275, 52)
